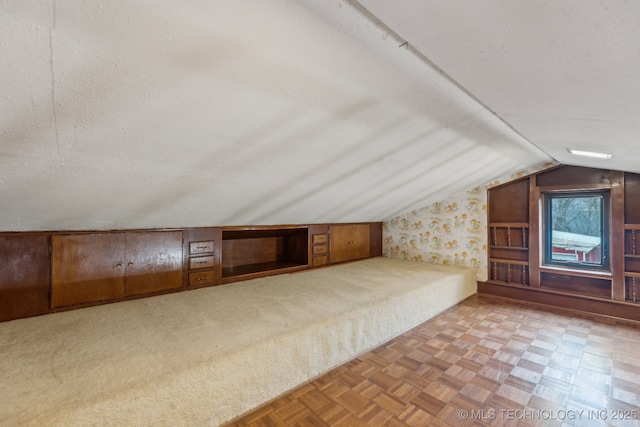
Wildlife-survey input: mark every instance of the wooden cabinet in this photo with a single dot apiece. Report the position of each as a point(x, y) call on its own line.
point(202, 256)
point(320, 249)
point(93, 267)
point(632, 237)
point(43, 272)
point(350, 242)
point(154, 262)
point(24, 275)
point(509, 233)
point(319, 245)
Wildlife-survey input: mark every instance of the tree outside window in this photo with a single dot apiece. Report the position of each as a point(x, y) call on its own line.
point(576, 226)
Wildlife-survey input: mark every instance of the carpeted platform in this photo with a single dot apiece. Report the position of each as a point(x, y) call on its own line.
point(203, 357)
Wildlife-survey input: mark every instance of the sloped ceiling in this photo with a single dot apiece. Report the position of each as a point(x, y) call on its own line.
point(564, 74)
point(122, 114)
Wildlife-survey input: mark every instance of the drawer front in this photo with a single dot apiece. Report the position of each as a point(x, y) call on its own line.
point(319, 260)
point(201, 278)
point(320, 238)
point(320, 249)
point(201, 247)
point(201, 262)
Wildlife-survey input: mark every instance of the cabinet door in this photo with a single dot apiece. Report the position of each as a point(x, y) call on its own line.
point(24, 275)
point(86, 268)
point(349, 242)
point(153, 261)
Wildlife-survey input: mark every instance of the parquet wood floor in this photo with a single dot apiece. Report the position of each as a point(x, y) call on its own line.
point(485, 362)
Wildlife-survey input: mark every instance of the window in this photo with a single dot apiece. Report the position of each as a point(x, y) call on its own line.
point(576, 228)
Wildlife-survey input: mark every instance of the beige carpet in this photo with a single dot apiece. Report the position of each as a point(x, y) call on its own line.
point(203, 357)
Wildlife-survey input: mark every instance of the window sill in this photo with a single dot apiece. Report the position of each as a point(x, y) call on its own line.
point(576, 272)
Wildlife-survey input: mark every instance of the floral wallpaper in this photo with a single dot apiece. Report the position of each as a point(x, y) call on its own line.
point(451, 232)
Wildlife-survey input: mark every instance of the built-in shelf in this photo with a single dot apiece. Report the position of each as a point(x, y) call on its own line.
point(508, 235)
point(509, 271)
point(516, 232)
point(250, 251)
point(248, 269)
point(632, 263)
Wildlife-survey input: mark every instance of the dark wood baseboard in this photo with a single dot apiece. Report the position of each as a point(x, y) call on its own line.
point(617, 309)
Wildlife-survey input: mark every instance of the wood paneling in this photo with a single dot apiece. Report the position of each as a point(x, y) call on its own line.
point(509, 202)
point(24, 275)
point(624, 224)
point(616, 232)
point(632, 198)
point(572, 283)
point(376, 239)
point(564, 300)
point(534, 233)
point(573, 176)
point(508, 232)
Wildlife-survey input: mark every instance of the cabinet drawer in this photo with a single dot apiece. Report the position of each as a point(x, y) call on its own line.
point(201, 278)
point(319, 260)
point(201, 247)
point(320, 249)
point(200, 262)
point(320, 238)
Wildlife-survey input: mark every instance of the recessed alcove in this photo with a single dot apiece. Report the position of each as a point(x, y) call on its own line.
point(250, 251)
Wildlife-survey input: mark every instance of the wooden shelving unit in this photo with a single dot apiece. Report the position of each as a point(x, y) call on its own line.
point(516, 233)
point(54, 271)
point(250, 252)
point(632, 263)
point(508, 236)
point(509, 271)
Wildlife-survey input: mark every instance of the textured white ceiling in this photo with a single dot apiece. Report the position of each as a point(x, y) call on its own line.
point(565, 74)
point(120, 114)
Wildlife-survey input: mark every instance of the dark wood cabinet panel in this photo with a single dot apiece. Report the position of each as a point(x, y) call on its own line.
point(154, 262)
point(509, 202)
point(573, 176)
point(24, 275)
point(631, 198)
point(376, 239)
point(350, 242)
point(95, 267)
point(87, 268)
point(575, 284)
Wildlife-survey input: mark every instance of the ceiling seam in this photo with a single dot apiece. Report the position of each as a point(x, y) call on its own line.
point(405, 43)
point(53, 77)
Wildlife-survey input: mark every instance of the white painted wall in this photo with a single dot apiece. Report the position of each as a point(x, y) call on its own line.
point(127, 114)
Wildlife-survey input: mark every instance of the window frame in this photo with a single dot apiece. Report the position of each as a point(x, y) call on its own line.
point(605, 224)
